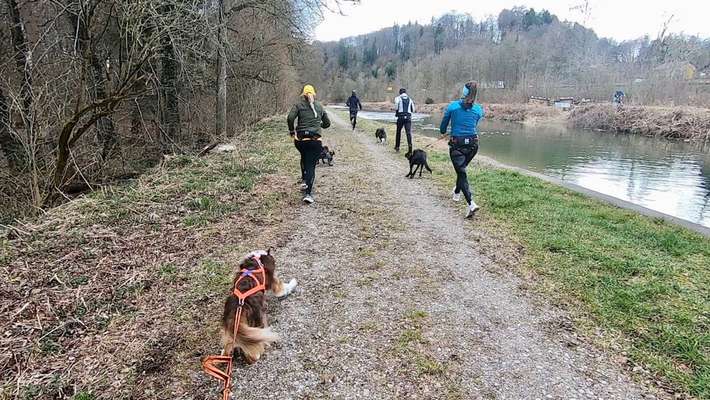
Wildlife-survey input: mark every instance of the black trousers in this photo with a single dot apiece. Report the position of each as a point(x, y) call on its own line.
point(461, 156)
point(405, 123)
point(310, 151)
point(353, 118)
point(303, 169)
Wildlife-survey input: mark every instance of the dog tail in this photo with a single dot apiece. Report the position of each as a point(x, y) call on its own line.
point(253, 341)
point(426, 165)
point(249, 335)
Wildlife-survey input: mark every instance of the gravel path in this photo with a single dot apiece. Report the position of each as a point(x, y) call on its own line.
point(395, 302)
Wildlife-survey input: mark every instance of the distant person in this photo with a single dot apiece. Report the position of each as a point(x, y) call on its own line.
point(404, 107)
point(464, 115)
point(311, 118)
point(354, 105)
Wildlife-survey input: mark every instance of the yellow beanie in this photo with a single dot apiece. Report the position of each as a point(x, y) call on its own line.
point(308, 89)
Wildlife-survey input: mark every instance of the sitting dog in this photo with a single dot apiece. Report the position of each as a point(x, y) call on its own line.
point(381, 135)
point(326, 156)
point(257, 270)
point(417, 158)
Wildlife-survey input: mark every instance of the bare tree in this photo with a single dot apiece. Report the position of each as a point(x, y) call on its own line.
point(80, 17)
point(23, 60)
point(72, 71)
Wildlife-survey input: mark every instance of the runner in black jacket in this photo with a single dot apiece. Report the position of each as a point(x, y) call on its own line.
point(354, 105)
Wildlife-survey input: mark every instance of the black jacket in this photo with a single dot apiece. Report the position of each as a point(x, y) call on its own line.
point(353, 103)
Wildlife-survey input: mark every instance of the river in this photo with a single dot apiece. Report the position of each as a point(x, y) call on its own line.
point(671, 177)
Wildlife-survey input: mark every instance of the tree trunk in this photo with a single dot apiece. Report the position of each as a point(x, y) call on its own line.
point(170, 115)
point(105, 131)
point(9, 143)
point(221, 112)
point(23, 60)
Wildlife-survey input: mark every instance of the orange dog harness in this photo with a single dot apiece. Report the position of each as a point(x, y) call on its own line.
point(210, 363)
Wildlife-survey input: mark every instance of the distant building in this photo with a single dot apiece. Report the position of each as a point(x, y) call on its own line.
point(564, 103)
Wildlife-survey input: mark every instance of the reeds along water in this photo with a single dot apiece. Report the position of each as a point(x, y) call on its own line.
point(670, 122)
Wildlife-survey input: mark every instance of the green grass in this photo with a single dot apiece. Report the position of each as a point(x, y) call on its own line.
point(203, 189)
point(84, 396)
point(412, 345)
point(640, 279)
point(633, 275)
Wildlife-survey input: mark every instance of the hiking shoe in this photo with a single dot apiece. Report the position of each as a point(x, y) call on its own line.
point(455, 196)
point(304, 186)
point(472, 208)
point(308, 199)
point(396, 149)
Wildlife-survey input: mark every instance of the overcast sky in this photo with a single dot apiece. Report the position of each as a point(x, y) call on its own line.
point(618, 19)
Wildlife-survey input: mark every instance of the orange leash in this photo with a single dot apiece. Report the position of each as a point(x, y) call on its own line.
point(210, 363)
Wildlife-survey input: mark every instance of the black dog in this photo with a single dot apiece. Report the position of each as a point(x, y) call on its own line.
point(326, 156)
point(418, 158)
point(381, 135)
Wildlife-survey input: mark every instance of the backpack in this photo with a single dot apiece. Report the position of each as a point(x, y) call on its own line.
point(405, 108)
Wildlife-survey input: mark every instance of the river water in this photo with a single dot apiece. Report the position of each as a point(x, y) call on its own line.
point(671, 177)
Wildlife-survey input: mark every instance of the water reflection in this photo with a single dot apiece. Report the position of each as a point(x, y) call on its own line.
point(667, 176)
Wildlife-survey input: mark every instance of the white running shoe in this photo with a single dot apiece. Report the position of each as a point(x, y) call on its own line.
point(472, 208)
point(455, 196)
point(308, 199)
point(304, 186)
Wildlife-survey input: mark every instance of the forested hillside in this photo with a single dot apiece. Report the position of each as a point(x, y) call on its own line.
point(519, 53)
point(94, 91)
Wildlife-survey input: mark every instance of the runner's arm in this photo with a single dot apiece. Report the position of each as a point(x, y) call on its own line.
point(325, 120)
point(445, 121)
point(291, 119)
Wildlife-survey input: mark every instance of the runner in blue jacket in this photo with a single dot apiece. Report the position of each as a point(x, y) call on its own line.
point(464, 115)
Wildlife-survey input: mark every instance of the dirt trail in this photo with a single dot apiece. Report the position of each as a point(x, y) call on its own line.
point(396, 301)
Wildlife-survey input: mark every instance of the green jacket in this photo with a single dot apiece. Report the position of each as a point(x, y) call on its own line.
point(307, 121)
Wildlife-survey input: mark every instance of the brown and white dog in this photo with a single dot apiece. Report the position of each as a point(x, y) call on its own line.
point(253, 333)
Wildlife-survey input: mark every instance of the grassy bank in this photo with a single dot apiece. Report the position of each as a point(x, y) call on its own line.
point(670, 122)
point(643, 282)
point(117, 295)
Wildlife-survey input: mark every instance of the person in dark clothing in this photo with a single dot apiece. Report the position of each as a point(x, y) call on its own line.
point(404, 108)
point(464, 115)
point(354, 106)
point(306, 134)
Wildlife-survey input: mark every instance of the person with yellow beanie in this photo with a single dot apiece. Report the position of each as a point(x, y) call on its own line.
point(306, 134)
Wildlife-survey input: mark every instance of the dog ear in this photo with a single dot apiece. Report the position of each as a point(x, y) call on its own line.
point(268, 251)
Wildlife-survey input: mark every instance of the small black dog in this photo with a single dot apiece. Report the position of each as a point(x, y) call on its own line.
point(418, 158)
point(326, 156)
point(381, 135)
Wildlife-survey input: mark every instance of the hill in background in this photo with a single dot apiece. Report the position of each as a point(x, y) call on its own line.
point(519, 53)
